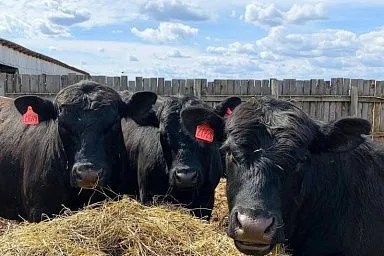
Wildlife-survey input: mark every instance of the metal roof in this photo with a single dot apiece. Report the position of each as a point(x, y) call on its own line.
point(28, 52)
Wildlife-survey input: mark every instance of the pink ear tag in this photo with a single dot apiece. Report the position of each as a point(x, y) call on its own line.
point(228, 113)
point(204, 133)
point(30, 117)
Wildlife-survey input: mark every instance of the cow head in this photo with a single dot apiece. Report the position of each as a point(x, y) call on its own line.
point(191, 160)
point(88, 122)
point(267, 140)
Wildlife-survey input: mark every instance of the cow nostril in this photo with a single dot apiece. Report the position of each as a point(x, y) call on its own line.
point(269, 228)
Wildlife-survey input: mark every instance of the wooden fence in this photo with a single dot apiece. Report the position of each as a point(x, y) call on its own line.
point(322, 100)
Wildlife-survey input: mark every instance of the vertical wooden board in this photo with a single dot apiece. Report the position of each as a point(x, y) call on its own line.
point(197, 88)
point(190, 87)
point(367, 107)
point(326, 104)
point(224, 87)
point(320, 105)
point(139, 84)
point(34, 83)
point(53, 83)
point(43, 83)
point(3, 79)
point(257, 87)
point(210, 88)
point(25, 87)
point(132, 86)
point(360, 89)
point(182, 83)
point(299, 84)
point(313, 105)
point(124, 83)
point(174, 87)
point(153, 84)
point(116, 83)
point(231, 87)
point(17, 82)
point(216, 87)
point(204, 87)
point(100, 79)
point(292, 87)
point(244, 87)
point(380, 91)
point(345, 91)
point(237, 87)
point(160, 86)
point(72, 78)
point(285, 87)
point(332, 105)
point(339, 92)
point(64, 81)
point(9, 84)
point(250, 86)
point(376, 109)
point(168, 88)
point(146, 84)
point(265, 87)
point(110, 81)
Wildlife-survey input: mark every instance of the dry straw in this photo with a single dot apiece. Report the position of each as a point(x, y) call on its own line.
point(119, 228)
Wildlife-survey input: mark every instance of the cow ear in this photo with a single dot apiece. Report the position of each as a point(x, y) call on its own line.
point(44, 108)
point(138, 106)
point(344, 134)
point(193, 118)
point(226, 107)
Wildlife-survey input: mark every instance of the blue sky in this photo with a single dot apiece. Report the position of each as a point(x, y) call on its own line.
point(204, 39)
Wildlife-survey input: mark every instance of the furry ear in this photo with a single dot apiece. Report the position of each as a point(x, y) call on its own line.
point(138, 106)
point(195, 117)
point(227, 106)
point(44, 108)
point(344, 134)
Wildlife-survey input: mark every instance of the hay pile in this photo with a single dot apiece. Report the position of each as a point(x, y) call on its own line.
point(118, 228)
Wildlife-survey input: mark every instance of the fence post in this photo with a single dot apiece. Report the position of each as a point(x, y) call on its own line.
point(274, 88)
point(197, 88)
point(3, 79)
point(354, 93)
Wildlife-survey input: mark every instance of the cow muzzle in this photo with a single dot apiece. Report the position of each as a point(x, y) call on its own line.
point(252, 234)
point(186, 178)
point(87, 176)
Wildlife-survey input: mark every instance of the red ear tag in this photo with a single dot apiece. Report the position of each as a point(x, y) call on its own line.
point(30, 117)
point(204, 133)
point(228, 113)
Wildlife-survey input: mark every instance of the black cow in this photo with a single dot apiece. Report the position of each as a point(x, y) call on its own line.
point(171, 163)
point(78, 143)
point(318, 187)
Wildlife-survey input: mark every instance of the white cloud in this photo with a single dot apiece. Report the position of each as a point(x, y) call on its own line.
point(68, 17)
point(268, 15)
point(52, 48)
point(233, 48)
point(328, 42)
point(171, 10)
point(217, 50)
point(100, 49)
point(117, 31)
point(302, 13)
point(133, 58)
point(263, 15)
point(166, 32)
point(175, 53)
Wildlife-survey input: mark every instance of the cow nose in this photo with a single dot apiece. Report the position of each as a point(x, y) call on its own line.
point(186, 177)
point(253, 229)
point(87, 176)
